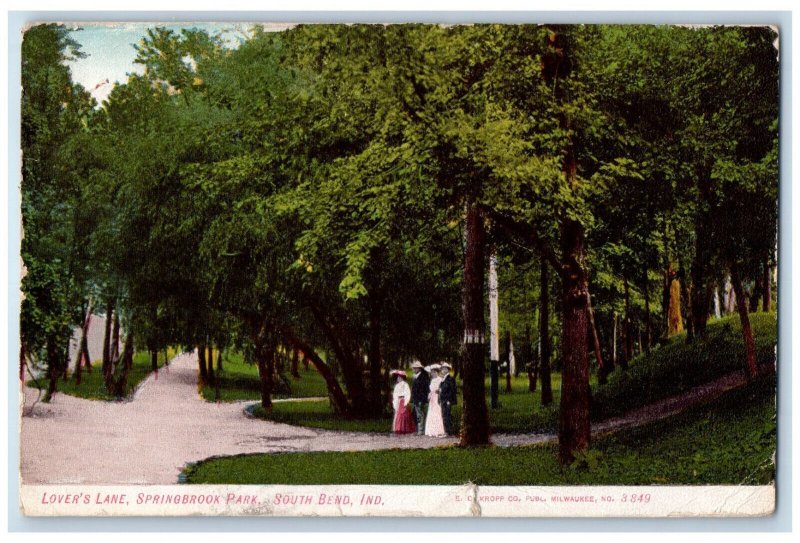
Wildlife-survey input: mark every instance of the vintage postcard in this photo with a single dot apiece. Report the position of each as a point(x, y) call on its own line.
point(500, 270)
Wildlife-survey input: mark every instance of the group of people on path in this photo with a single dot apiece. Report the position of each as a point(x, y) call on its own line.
point(432, 387)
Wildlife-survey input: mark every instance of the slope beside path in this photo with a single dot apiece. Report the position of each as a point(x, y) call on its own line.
point(151, 437)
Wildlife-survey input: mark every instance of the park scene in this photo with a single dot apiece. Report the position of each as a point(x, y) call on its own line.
point(401, 254)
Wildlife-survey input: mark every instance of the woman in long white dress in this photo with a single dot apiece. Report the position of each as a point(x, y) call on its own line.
point(434, 424)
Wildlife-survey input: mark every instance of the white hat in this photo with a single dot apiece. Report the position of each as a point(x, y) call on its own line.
point(416, 364)
point(446, 365)
point(433, 367)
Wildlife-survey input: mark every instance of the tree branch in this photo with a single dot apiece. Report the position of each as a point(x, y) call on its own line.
point(527, 232)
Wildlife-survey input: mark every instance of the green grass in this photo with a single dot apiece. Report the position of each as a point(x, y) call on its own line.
point(239, 381)
point(730, 441)
point(92, 386)
point(667, 371)
point(678, 366)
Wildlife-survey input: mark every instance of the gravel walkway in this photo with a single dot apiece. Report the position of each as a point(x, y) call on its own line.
point(150, 438)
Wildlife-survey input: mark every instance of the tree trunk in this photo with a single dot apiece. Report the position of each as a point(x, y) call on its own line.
point(675, 320)
point(154, 360)
point(507, 349)
point(598, 356)
point(121, 385)
point(265, 359)
point(210, 362)
point(349, 364)
point(83, 346)
point(701, 294)
point(767, 283)
point(338, 397)
point(729, 296)
point(494, 328)
point(747, 333)
point(574, 432)
point(115, 338)
point(201, 362)
point(295, 370)
point(475, 417)
point(53, 367)
point(648, 323)
point(626, 327)
point(544, 335)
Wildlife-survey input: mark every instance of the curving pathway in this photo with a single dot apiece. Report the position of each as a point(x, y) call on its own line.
point(149, 439)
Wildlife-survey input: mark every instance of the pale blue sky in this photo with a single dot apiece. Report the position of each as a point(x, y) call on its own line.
point(110, 50)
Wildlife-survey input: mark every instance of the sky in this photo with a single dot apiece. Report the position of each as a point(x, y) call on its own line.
point(110, 52)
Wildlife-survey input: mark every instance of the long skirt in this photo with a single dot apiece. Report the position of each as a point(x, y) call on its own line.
point(434, 424)
point(403, 420)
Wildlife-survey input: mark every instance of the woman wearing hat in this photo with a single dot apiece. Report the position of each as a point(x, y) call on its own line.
point(403, 421)
point(434, 424)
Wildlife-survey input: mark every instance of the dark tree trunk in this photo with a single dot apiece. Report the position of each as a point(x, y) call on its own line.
point(210, 363)
point(340, 402)
point(475, 417)
point(349, 364)
point(265, 359)
point(53, 367)
point(120, 387)
point(665, 297)
point(598, 356)
point(115, 338)
point(544, 335)
point(756, 296)
point(305, 361)
point(686, 299)
point(201, 361)
point(531, 361)
point(751, 364)
point(217, 377)
point(507, 349)
point(154, 360)
point(767, 282)
point(83, 347)
point(574, 432)
point(701, 293)
point(648, 323)
point(626, 329)
point(295, 370)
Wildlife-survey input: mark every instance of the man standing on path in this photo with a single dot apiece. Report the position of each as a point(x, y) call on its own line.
point(448, 396)
point(419, 394)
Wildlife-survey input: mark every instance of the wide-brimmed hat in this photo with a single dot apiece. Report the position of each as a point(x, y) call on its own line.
point(401, 373)
point(446, 365)
point(416, 364)
point(433, 367)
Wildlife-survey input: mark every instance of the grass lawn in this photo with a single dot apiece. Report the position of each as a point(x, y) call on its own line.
point(239, 381)
point(667, 371)
point(730, 441)
point(92, 386)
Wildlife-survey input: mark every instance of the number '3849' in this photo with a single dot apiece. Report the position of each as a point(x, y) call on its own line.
point(636, 498)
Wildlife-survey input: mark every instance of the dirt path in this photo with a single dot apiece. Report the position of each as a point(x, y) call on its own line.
point(149, 439)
